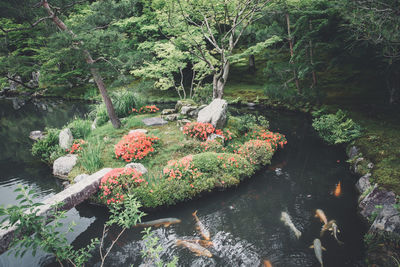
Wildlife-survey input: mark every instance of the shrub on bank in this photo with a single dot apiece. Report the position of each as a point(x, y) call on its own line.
point(274, 139)
point(47, 149)
point(90, 156)
point(145, 110)
point(257, 152)
point(135, 146)
point(80, 128)
point(336, 128)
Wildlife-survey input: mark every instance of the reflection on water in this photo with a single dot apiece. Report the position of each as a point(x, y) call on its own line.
point(244, 222)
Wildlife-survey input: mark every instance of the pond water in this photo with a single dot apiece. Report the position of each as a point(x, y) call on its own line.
point(244, 222)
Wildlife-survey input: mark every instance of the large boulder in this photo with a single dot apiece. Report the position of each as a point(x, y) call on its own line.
point(65, 138)
point(137, 166)
point(215, 113)
point(375, 199)
point(63, 165)
point(363, 183)
point(387, 220)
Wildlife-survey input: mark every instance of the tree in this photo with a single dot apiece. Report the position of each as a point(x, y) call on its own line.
point(211, 30)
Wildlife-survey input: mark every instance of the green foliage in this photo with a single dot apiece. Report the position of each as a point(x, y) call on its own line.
point(151, 251)
point(47, 149)
point(80, 128)
point(90, 156)
point(243, 124)
point(46, 237)
point(336, 128)
point(123, 102)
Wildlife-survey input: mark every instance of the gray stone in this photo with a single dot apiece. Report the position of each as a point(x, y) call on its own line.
point(94, 123)
point(357, 162)
point(167, 111)
point(186, 109)
point(138, 131)
point(80, 177)
point(363, 183)
point(36, 135)
point(63, 165)
point(65, 138)
point(387, 220)
point(377, 197)
point(183, 122)
point(251, 104)
point(352, 152)
point(184, 103)
point(137, 166)
point(370, 165)
point(154, 121)
point(215, 113)
point(70, 197)
point(214, 136)
point(171, 117)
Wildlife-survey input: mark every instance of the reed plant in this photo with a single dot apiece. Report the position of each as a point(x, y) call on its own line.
point(90, 157)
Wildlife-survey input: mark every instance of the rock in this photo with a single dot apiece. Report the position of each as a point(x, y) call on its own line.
point(184, 103)
point(251, 104)
point(63, 165)
point(387, 220)
point(214, 113)
point(183, 122)
point(363, 183)
point(352, 152)
point(13, 85)
point(377, 197)
point(194, 113)
point(18, 103)
point(80, 177)
point(138, 131)
point(65, 138)
point(357, 162)
point(171, 117)
point(154, 121)
point(94, 123)
point(186, 109)
point(36, 135)
point(370, 165)
point(167, 111)
point(137, 166)
point(214, 136)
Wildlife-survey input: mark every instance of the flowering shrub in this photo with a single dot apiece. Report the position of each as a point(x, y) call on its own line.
point(198, 130)
point(182, 169)
point(256, 151)
point(76, 146)
point(211, 146)
point(274, 139)
point(145, 109)
point(135, 146)
point(117, 182)
point(202, 131)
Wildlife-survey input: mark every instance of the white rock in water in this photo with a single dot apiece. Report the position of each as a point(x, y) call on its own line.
point(215, 113)
point(65, 138)
point(63, 165)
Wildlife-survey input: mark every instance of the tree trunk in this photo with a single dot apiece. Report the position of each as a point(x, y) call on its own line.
point(314, 75)
point(219, 81)
point(252, 64)
point(96, 75)
point(296, 79)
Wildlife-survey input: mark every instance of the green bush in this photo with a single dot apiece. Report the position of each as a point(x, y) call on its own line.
point(90, 157)
point(47, 149)
point(243, 124)
point(124, 102)
point(336, 128)
point(80, 128)
point(257, 152)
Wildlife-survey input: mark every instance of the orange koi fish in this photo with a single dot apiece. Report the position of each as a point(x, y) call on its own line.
point(321, 215)
point(200, 226)
point(338, 190)
point(267, 263)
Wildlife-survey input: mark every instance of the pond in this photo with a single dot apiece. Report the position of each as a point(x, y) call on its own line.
point(245, 222)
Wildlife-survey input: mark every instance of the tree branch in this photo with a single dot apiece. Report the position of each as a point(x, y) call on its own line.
point(19, 82)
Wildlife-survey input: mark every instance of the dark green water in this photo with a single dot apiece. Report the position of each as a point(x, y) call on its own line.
point(244, 222)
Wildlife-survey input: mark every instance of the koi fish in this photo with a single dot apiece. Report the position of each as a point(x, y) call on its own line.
point(160, 222)
point(336, 230)
point(327, 226)
point(267, 263)
point(200, 226)
point(338, 190)
point(194, 247)
point(288, 221)
point(203, 243)
point(321, 215)
point(318, 250)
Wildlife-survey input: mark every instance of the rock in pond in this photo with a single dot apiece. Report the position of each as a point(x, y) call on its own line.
point(36, 135)
point(63, 165)
point(138, 131)
point(137, 166)
point(363, 183)
point(387, 220)
point(154, 121)
point(80, 177)
point(215, 113)
point(65, 138)
point(377, 197)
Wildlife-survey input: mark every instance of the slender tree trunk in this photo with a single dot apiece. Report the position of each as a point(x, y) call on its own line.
point(96, 75)
point(296, 79)
point(252, 64)
point(219, 81)
point(314, 75)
